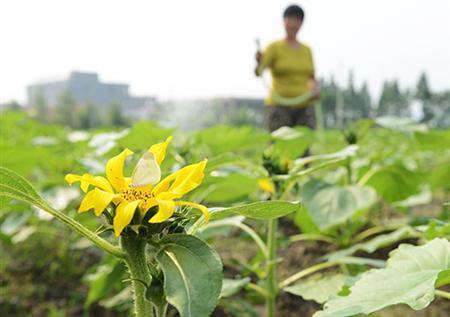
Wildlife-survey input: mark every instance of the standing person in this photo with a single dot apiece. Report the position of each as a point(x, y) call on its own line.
point(291, 65)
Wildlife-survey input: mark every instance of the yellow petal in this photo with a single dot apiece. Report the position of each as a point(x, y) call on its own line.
point(184, 180)
point(202, 208)
point(124, 214)
point(165, 211)
point(87, 202)
point(101, 200)
point(87, 179)
point(147, 204)
point(159, 150)
point(266, 185)
point(114, 169)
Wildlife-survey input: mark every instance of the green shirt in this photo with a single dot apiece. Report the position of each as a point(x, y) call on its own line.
point(291, 69)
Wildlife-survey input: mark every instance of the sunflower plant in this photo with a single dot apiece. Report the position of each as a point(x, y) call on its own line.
point(148, 217)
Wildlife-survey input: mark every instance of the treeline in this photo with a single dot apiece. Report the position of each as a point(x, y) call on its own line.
point(344, 103)
point(79, 116)
point(341, 104)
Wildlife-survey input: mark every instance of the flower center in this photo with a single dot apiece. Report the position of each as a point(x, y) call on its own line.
point(131, 194)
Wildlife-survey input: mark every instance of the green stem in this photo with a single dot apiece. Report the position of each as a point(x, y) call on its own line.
point(258, 289)
point(256, 238)
point(311, 237)
point(305, 272)
point(161, 310)
point(137, 264)
point(375, 230)
point(443, 294)
point(348, 166)
point(272, 288)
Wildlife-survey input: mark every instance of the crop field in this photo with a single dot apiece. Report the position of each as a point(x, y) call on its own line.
point(224, 221)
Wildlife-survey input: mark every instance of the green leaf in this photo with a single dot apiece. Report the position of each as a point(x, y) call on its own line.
point(233, 187)
point(15, 186)
point(409, 278)
point(232, 286)
point(261, 210)
point(400, 124)
point(304, 221)
point(335, 205)
point(318, 288)
point(374, 244)
point(395, 183)
point(192, 274)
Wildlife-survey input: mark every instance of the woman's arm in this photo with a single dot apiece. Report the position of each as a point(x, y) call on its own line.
point(264, 59)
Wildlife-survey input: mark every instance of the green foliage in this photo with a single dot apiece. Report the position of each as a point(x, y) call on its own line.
point(107, 277)
point(395, 182)
point(232, 286)
point(329, 205)
point(192, 274)
point(259, 210)
point(318, 288)
point(397, 159)
point(409, 278)
point(15, 186)
point(376, 243)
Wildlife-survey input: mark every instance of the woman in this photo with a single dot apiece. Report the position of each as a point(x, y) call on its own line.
point(291, 65)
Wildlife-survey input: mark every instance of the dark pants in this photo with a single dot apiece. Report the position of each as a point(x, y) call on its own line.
point(280, 116)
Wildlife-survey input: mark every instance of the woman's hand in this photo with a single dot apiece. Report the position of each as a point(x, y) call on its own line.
point(258, 58)
point(314, 88)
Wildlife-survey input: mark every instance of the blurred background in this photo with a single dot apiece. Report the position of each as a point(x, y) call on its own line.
point(165, 61)
point(81, 80)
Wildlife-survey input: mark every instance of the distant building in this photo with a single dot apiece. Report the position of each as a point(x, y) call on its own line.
point(86, 87)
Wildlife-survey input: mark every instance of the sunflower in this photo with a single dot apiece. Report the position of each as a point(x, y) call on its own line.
point(143, 190)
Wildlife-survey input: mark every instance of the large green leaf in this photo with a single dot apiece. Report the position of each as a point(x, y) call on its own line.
point(334, 205)
point(409, 278)
point(230, 188)
point(395, 183)
point(192, 274)
point(318, 288)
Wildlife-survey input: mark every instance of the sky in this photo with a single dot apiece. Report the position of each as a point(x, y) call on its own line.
point(189, 49)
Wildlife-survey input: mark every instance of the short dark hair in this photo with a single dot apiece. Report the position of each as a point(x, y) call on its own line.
point(294, 11)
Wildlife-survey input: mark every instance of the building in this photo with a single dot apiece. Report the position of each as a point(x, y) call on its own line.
point(85, 87)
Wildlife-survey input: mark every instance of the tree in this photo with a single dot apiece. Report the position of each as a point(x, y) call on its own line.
point(366, 101)
point(115, 115)
point(328, 90)
point(392, 101)
point(65, 110)
point(13, 106)
point(423, 93)
point(41, 108)
point(88, 116)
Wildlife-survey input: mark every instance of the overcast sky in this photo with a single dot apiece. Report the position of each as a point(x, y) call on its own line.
point(178, 49)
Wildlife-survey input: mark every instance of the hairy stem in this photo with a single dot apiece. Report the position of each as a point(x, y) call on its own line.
point(137, 264)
